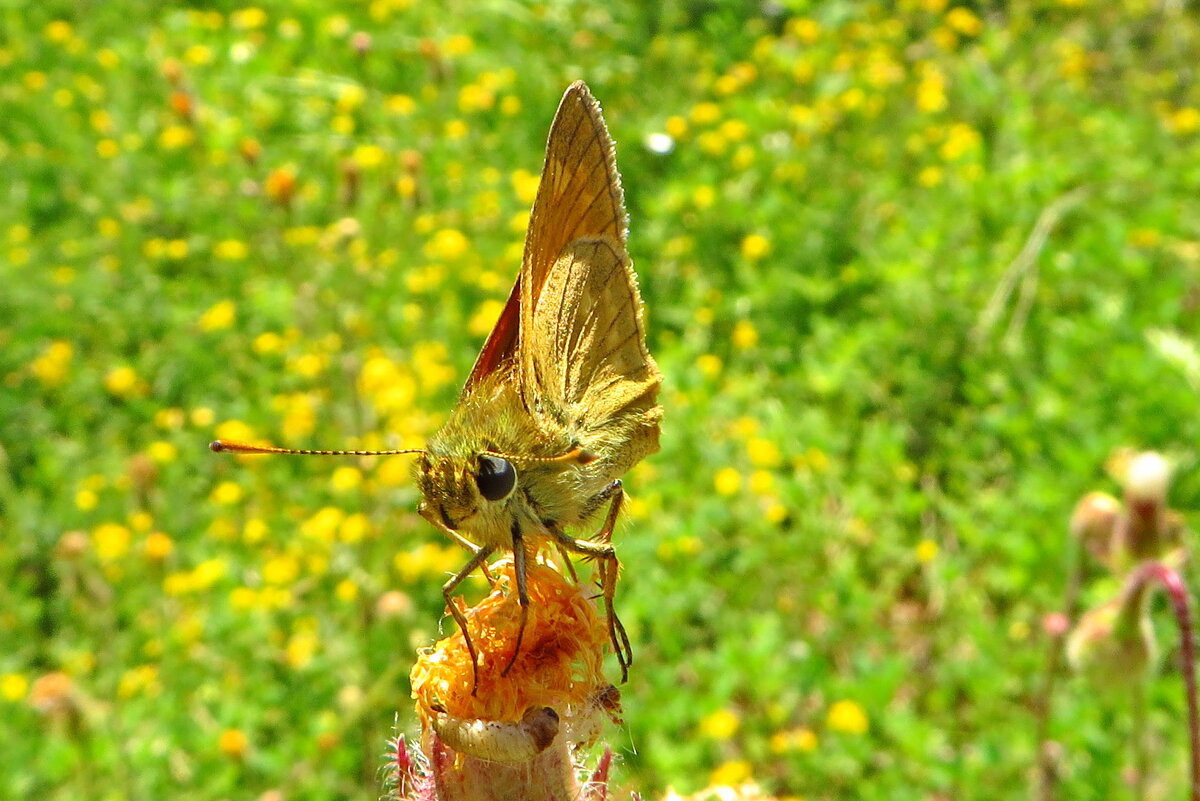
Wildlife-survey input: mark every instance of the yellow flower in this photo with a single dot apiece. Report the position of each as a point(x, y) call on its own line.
point(963, 21)
point(162, 452)
point(927, 551)
point(158, 546)
point(730, 774)
point(123, 382)
point(226, 493)
point(174, 137)
point(281, 570)
point(483, 319)
point(931, 90)
point(744, 335)
point(51, 366)
point(709, 365)
point(755, 247)
point(764, 453)
point(176, 249)
point(510, 105)
point(728, 481)
point(929, 176)
point(233, 743)
point(230, 250)
point(235, 430)
point(354, 528)
point(1185, 121)
point(219, 316)
point(345, 591)
point(13, 687)
point(323, 525)
point(243, 598)
point(301, 649)
point(705, 113)
point(806, 30)
point(108, 59)
point(57, 31)
point(86, 500)
point(720, 725)
point(111, 541)
point(345, 479)
point(458, 45)
point(847, 717)
point(248, 18)
point(255, 531)
point(525, 184)
point(799, 739)
point(394, 471)
point(427, 559)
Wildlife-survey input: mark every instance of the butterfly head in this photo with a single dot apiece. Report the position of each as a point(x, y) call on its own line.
point(465, 491)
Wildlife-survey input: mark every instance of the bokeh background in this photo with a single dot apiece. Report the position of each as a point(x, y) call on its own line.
point(913, 272)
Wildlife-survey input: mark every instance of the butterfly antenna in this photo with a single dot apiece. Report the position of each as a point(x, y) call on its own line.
point(575, 455)
point(230, 446)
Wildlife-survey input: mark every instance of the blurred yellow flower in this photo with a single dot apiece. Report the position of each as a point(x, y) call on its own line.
point(1185, 121)
point(233, 743)
point(301, 648)
point(394, 471)
point(51, 366)
point(354, 528)
point(727, 481)
point(140, 680)
point(764, 453)
point(345, 479)
point(929, 176)
point(281, 570)
point(931, 89)
point(345, 591)
point(798, 739)
point(709, 365)
point(107, 148)
point(219, 316)
point(806, 30)
point(927, 551)
point(323, 525)
point(35, 81)
point(176, 248)
point(243, 598)
point(13, 687)
point(162, 452)
point(123, 382)
point(457, 45)
point(456, 129)
point(174, 137)
point(86, 500)
point(234, 430)
point(485, 317)
point(720, 725)
point(510, 105)
point(963, 21)
point(730, 774)
point(847, 717)
point(111, 541)
point(158, 546)
point(400, 104)
point(230, 250)
point(705, 113)
point(755, 247)
point(226, 493)
point(57, 31)
point(744, 335)
point(447, 244)
point(427, 559)
point(525, 184)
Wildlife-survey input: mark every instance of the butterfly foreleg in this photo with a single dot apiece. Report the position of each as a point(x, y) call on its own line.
point(600, 548)
point(518, 543)
point(482, 552)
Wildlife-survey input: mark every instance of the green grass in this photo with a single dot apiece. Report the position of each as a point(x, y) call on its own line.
point(865, 477)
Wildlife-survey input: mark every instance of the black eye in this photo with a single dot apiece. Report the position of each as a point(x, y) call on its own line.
point(495, 478)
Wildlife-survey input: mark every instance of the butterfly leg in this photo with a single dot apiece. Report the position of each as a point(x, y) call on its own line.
point(519, 555)
point(600, 548)
point(479, 558)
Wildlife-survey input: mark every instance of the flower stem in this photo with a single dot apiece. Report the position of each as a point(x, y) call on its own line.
point(1172, 582)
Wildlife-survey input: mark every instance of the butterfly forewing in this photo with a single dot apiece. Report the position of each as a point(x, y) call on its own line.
point(579, 195)
point(594, 370)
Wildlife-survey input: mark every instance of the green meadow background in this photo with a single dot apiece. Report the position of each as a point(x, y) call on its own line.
point(913, 271)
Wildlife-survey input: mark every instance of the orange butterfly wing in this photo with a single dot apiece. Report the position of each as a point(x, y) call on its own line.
point(579, 196)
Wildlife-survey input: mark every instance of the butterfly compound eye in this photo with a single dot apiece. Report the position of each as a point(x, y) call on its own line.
point(495, 478)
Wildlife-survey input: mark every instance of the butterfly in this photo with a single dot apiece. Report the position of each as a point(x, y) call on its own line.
point(562, 399)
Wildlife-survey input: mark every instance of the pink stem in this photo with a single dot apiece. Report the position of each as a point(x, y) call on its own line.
point(1177, 591)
